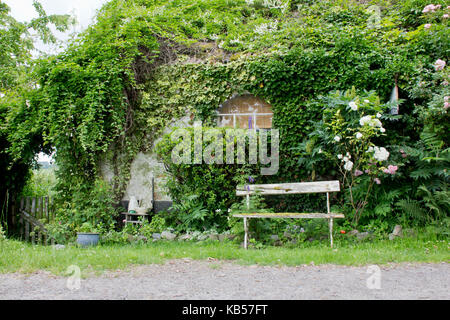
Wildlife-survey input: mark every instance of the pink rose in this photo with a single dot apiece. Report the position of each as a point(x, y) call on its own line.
point(427, 26)
point(358, 173)
point(445, 16)
point(377, 180)
point(390, 169)
point(445, 83)
point(404, 155)
point(439, 64)
point(124, 220)
point(429, 8)
point(446, 105)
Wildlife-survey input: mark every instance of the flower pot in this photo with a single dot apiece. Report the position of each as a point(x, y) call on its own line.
point(87, 239)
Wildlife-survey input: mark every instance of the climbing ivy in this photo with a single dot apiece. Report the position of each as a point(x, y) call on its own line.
point(143, 64)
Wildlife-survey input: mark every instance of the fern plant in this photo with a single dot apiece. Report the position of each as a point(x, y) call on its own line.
point(431, 201)
point(190, 215)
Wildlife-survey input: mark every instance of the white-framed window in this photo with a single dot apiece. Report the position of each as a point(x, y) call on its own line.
point(245, 112)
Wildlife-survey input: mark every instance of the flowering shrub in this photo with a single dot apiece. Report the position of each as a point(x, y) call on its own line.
point(351, 126)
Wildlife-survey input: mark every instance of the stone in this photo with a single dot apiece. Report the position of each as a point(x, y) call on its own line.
point(410, 233)
point(287, 235)
point(214, 237)
point(59, 246)
point(168, 235)
point(278, 243)
point(274, 237)
point(222, 237)
point(391, 236)
point(398, 231)
point(202, 237)
point(156, 236)
point(353, 232)
point(230, 236)
point(185, 237)
point(141, 238)
point(362, 235)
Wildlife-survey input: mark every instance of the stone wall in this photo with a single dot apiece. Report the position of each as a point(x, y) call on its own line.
point(146, 169)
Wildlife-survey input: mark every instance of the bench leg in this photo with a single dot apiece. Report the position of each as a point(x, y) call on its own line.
point(331, 232)
point(246, 233)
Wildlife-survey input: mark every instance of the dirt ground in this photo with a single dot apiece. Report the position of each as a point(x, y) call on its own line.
point(211, 279)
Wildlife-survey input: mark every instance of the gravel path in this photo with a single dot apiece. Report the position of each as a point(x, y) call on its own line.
point(208, 280)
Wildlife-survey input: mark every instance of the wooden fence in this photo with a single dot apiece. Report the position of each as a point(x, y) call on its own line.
point(29, 217)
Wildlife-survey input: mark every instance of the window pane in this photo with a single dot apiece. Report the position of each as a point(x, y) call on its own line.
point(246, 108)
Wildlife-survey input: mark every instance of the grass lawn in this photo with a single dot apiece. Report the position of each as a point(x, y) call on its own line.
point(16, 256)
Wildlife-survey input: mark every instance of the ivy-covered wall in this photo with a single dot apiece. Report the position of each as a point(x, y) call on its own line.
point(290, 83)
point(105, 100)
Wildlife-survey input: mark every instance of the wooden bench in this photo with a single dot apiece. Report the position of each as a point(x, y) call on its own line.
point(289, 188)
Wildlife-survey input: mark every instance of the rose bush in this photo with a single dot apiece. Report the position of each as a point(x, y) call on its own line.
point(347, 136)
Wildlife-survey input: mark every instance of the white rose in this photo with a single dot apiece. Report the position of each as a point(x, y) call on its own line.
point(381, 154)
point(339, 156)
point(353, 106)
point(345, 159)
point(359, 135)
point(382, 129)
point(364, 120)
point(370, 121)
point(376, 123)
point(366, 101)
point(348, 166)
point(378, 115)
point(337, 138)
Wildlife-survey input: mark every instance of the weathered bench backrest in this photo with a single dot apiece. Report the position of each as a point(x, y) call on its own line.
point(289, 188)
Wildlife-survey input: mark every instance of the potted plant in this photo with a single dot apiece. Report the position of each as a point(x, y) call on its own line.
point(88, 235)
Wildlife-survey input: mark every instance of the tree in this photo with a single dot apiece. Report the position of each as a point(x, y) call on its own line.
point(16, 87)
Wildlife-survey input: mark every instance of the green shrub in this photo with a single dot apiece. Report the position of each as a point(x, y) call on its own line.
point(42, 183)
point(202, 193)
point(157, 224)
point(90, 211)
point(2, 233)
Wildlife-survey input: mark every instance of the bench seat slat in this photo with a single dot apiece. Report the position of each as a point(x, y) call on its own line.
point(289, 188)
point(289, 215)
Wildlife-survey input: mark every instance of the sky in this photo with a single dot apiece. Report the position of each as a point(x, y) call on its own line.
point(84, 10)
